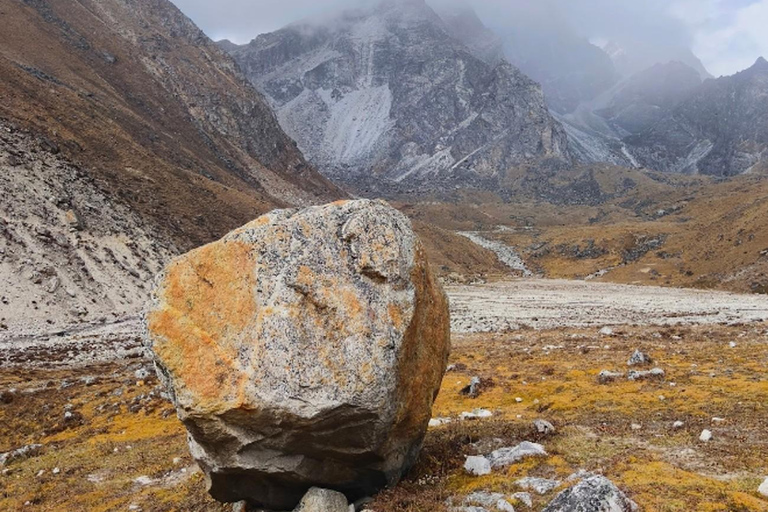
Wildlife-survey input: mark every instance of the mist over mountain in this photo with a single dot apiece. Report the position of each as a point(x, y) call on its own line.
point(393, 97)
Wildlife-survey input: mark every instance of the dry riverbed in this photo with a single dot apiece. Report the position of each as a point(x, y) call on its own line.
point(110, 441)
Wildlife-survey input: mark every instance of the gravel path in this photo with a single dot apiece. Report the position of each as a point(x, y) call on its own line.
point(547, 304)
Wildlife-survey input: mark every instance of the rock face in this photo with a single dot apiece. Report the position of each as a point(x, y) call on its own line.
point(720, 130)
point(387, 98)
point(303, 349)
point(593, 494)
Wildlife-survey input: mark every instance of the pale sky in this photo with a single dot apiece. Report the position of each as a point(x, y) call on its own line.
point(727, 35)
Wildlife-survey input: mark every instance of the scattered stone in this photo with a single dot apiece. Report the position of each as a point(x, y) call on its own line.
point(504, 506)
point(524, 498)
point(438, 422)
point(593, 494)
point(473, 389)
point(706, 436)
point(636, 426)
point(504, 457)
point(678, 425)
point(543, 427)
point(606, 331)
point(476, 414)
point(606, 376)
point(718, 421)
point(483, 498)
point(323, 500)
point(320, 336)
point(143, 480)
point(763, 489)
point(56, 471)
point(477, 466)
point(733, 344)
point(25, 452)
point(656, 373)
point(538, 485)
point(639, 359)
point(519, 400)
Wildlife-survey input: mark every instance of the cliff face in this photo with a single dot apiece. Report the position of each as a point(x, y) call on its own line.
point(388, 99)
point(721, 129)
point(128, 136)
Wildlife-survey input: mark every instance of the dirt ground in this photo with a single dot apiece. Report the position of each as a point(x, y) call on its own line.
point(110, 440)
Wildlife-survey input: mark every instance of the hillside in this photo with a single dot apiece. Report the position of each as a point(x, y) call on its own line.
point(127, 136)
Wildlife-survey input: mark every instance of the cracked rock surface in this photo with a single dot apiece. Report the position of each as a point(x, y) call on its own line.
point(303, 349)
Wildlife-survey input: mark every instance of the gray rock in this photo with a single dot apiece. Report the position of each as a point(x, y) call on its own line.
point(473, 389)
point(323, 500)
point(524, 498)
point(304, 349)
point(639, 358)
point(606, 376)
point(507, 456)
point(593, 494)
point(656, 373)
point(543, 427)
point(538, 485)
point(483, 498)
point(477, 466)
point(25, 452)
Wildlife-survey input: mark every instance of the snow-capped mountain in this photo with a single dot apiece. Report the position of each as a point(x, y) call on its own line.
point(387, 98)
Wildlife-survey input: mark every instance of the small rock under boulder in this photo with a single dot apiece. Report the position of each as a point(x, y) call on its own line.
point(304, 349)
point(593, 494)
point(323, 500)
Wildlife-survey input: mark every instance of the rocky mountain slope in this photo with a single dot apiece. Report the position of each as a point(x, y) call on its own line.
point(720, 130)
point(386, 99)
point(126, 136)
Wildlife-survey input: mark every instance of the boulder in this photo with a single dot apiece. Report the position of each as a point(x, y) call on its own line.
point(477, 466)
point(302, 350)
point(639, 358)
point(763, 489)
point(593, 494)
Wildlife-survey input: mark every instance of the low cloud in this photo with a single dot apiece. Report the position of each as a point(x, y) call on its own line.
point(728, 35)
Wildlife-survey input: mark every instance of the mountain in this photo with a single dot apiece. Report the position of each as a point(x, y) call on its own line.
point(632, 57)
point(541, 42)
point(386, 99)
point(127, 136)
point(643, 99)
point(464, 25)
point(721, 129)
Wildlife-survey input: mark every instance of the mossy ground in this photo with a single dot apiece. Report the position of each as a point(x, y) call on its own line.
point(121, 438)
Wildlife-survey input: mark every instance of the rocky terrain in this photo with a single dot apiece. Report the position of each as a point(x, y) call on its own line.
point(109, 439)
point(126, 136)
point(389, 99)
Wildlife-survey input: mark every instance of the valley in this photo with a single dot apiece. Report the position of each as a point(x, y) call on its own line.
point(109, 440)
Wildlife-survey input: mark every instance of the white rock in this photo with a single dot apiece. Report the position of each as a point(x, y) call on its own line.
point(763, 489)
point(437, 422)
point(606, 331)
point(706, 436)
point(524, 498)
point(539, 485)
point(544, 427)
point(718, 421)
point(476, 414)
point(678, 425)
point(507, 456)
point(636, 426)
point(323, 500)
point(733, 344)
point(477, 466)
point(504, 506)
point(56, 471)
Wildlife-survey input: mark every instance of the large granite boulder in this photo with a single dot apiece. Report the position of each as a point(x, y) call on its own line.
point(302, 350)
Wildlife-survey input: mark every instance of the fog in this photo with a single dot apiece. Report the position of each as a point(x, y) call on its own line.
point(727, 35)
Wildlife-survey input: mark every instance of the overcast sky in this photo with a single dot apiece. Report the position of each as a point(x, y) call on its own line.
point(727, 35)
